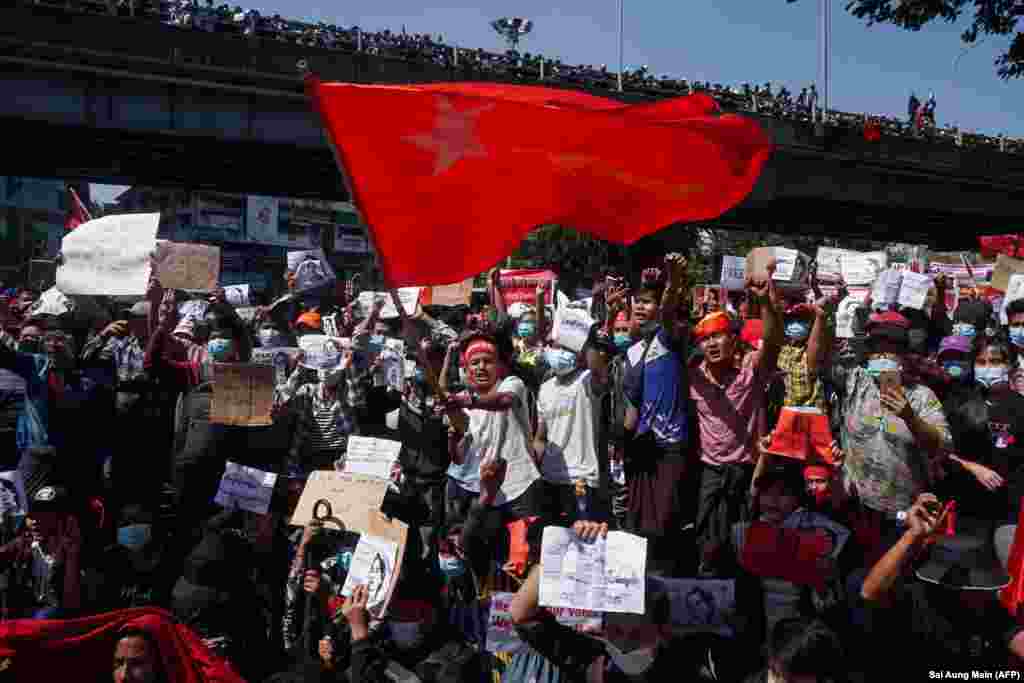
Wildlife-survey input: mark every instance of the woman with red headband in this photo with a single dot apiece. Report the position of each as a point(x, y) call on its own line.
point(497, 409)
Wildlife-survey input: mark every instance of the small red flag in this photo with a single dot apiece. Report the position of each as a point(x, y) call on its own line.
point(451, 177)
point(77, 213)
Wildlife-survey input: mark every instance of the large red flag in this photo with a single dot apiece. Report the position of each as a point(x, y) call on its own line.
point(451, 177)
point(77, 213)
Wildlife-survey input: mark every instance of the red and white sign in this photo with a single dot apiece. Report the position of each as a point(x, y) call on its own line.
point(520, 285)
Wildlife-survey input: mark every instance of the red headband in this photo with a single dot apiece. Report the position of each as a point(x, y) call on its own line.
point(622, 317)
point(713, 323)
point(811, 471)
point(479, 346)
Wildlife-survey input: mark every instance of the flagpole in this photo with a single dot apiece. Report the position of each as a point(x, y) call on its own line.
point(621, 2)
point(826, 31)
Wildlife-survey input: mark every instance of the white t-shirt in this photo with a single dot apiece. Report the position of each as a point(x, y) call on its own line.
point(506, 433)
point(568, 411)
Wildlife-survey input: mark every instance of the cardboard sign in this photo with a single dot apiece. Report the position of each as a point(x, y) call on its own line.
point(352, 497)
point(914, 289)
point(521, 285)
point(371, 457)
point(190, 267)
point(245, 487)
point(572, 327)
point(109, 255)
point(1005, 267)
point(409, 296)
point(457, 294)
point(243, 394)
point(802, 433)
point(309, 270)
point(734, 273)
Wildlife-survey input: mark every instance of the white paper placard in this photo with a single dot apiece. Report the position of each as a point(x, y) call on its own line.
point(914, 289)
point(572, 327)
point(829, 260)
point(409, 296)
point(109, 255)
point(374, 566)
point(734, 273)
point(606, 575)
point(786, 261)
point(247, 487)
point(501, 631)
point(237, 295)
point(861, 269)
point(320, 352)
point(370, 456)
point(886, 290)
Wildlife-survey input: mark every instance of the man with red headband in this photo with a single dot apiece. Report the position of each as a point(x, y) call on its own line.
point(497, 408)
point(731, 404)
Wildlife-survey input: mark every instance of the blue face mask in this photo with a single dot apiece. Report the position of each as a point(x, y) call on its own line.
point(990, 376)
point(876, 366)
point(419, 375)
point(622, 341)
point(134, 536)
point(798, 330)
point(526, 330)
point(957, 369)
point(451, 566)
point(220, 350)
point(561, 361)
point(1017, 336)
point(964, 330)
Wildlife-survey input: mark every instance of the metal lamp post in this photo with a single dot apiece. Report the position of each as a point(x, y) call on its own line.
point(512, 30)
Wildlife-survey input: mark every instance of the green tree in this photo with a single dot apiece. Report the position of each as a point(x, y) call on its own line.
point(991, 18)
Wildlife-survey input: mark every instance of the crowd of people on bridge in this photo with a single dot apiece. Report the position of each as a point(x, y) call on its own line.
point(859, 493)
point(770, 100)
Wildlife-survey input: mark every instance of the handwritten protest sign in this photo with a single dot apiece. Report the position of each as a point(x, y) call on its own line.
point(245, 487)
point(282, 359)
point(309, 270)
point(243, 394)
point(520, 285)
point(321, 352)
point(572, 327)
point(409, 296)
point(191, 267)
point(914, 289)
point(352, 498)
point(109, 255)
point(12, 494)
point(371, 457)
point(501, 631)
point(886, 290)
point(457, 294)
point(606, 575)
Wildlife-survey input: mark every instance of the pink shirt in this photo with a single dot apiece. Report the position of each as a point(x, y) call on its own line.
point(730, 417)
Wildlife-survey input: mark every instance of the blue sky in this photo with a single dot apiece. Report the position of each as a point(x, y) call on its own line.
point(726, 41)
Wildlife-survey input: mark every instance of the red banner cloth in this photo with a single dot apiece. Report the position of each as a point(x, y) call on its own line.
point(450, 177)
point(83, 649)
point(520, 285)
point(789, 554)
point(1013, 595)
point(1010, 245)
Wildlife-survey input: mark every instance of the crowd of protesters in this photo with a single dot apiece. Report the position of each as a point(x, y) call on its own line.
point(665, 422)
point(525, 67)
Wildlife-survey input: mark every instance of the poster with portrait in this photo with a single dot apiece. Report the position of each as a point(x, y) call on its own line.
point(700, 604)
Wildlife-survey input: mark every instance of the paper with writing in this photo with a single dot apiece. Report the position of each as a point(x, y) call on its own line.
point(109, 255)
point(282, 359)
point(374, 565)
point(371, 457)
point(321, 352)
point(457, 294)
point(520, 285)
point(191, 267)
point(572, 327)
point(237, 295)
point(409, 296)
point(353, 497)
point(886, 290)
point(829, 260)
point(914, 289)
point(247, 487)
point(501, 632)
point(195, 309)
point(862, 269)
point(243, 394)
point(734, 273)
point(608, 573)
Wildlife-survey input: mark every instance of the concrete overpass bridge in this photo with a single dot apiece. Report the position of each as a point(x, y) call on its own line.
point(131, 101)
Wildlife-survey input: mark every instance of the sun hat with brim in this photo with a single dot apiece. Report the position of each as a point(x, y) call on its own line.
point(964, 562)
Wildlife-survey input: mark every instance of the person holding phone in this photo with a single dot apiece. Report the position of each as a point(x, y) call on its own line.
point(892, 427)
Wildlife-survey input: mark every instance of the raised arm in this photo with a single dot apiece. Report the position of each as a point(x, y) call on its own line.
point(675, 264)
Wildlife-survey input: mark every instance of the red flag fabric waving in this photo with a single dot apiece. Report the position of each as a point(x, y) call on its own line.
point(450, 177)
point(1010, 245)
point(83, 649)
point(77, 213)
point(872, 131)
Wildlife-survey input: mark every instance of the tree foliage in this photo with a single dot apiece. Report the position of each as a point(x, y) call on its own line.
point(991, 18)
